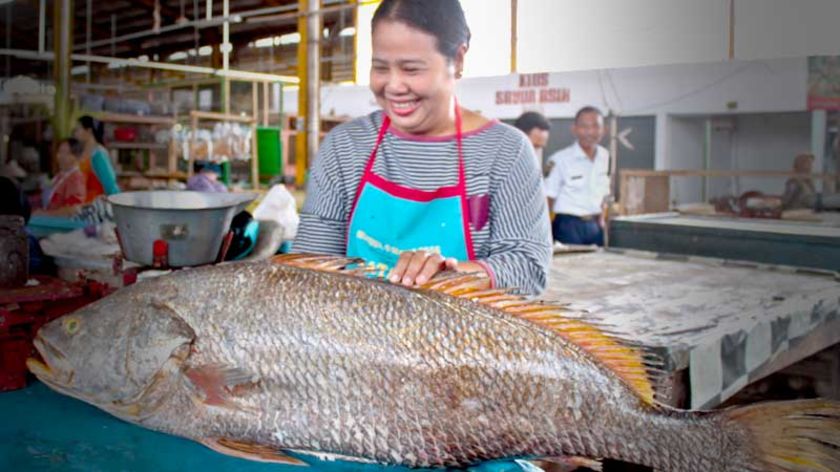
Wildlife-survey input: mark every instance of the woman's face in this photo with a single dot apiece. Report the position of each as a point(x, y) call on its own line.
point(66, 159)
point(412, 81)
point(80, 133)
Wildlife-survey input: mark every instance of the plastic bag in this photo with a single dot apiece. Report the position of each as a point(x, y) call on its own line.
point(279, 206)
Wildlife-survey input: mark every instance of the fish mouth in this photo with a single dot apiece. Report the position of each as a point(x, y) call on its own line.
point(48, 364)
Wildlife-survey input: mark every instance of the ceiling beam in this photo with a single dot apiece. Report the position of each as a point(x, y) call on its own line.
point(165, 45)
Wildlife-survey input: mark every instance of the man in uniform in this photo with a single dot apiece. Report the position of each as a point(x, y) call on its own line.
point(578, 184)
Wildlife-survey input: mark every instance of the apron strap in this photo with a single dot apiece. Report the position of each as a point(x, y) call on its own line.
point(462, 182)
point(386, 123)
point(462, 177)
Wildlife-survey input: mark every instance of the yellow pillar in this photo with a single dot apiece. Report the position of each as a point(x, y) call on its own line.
point(301, 159)
point(355, 39)
point(514, 34)
point(63, 44)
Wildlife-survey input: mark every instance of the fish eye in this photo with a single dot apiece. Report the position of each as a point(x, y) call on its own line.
point(71, 325)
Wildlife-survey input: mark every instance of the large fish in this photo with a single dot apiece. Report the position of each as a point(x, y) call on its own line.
point(260, 359)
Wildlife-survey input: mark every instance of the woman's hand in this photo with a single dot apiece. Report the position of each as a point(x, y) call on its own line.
point(415, 268)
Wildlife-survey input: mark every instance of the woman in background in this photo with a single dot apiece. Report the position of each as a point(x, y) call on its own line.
point(206, 178)
point(67, 189)
point(100, 178)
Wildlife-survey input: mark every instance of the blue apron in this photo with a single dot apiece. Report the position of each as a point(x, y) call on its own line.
point(388, 218)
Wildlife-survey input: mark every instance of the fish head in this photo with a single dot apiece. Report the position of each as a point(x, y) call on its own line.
point(113, 352)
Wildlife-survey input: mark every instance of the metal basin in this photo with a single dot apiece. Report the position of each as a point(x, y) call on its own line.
point(193, 224)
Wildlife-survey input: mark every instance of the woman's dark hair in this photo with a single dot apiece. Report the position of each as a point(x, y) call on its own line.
point(75, 146)
point(200, 166)
point(443, 19)
point(94, 126)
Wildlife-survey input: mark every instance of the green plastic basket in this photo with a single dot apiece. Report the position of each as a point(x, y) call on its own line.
point(270, 152)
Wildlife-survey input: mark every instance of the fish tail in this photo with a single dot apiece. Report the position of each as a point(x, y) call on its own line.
point(791, 436)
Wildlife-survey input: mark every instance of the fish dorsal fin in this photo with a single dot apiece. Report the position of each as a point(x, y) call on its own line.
point(316, 262)
point(632, 364)
point(334, 264)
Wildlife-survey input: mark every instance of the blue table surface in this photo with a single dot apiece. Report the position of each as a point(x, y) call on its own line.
point(42, 430)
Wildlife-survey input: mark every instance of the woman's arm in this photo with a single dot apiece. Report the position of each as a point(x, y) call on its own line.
point(101, 165)
point(520, 233)
point(520, 237)
point(323, 220)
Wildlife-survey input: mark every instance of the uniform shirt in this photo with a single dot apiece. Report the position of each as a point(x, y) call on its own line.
point(511, 235)
point(578, 184)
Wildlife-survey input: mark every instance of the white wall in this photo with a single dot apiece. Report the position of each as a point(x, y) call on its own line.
point(571, 35)
point(785, 28)
point(597, 34)
point(685, 151)
point(757, 141)
point(770, 142)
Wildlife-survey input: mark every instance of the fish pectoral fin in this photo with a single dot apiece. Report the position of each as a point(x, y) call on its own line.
point(218, 384)
point(251, 451)
point(568, 463)
point(332, 457)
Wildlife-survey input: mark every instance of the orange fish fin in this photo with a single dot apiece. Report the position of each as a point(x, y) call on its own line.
point(338, 264)
point(566, 464)
point(217, 385)
point(251, 451)
point(633, 364)
point(316, 262)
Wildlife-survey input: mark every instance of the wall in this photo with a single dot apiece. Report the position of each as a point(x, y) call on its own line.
point(770, 142)
point(685, 151)
point(571, 35)
point(785, 28)
point(756, 141)
point(607, 33)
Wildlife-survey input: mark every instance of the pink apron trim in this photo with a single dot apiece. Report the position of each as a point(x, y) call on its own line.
point(408, 193)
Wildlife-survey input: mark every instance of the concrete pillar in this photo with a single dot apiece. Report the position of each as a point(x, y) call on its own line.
point(819, 124)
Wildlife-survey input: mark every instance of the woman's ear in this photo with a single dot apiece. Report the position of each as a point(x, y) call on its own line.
point(458, 61)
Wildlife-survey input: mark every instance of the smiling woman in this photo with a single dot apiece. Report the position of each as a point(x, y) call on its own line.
point(423, 185)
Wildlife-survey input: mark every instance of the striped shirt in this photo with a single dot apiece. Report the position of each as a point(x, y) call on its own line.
point(515, 244)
